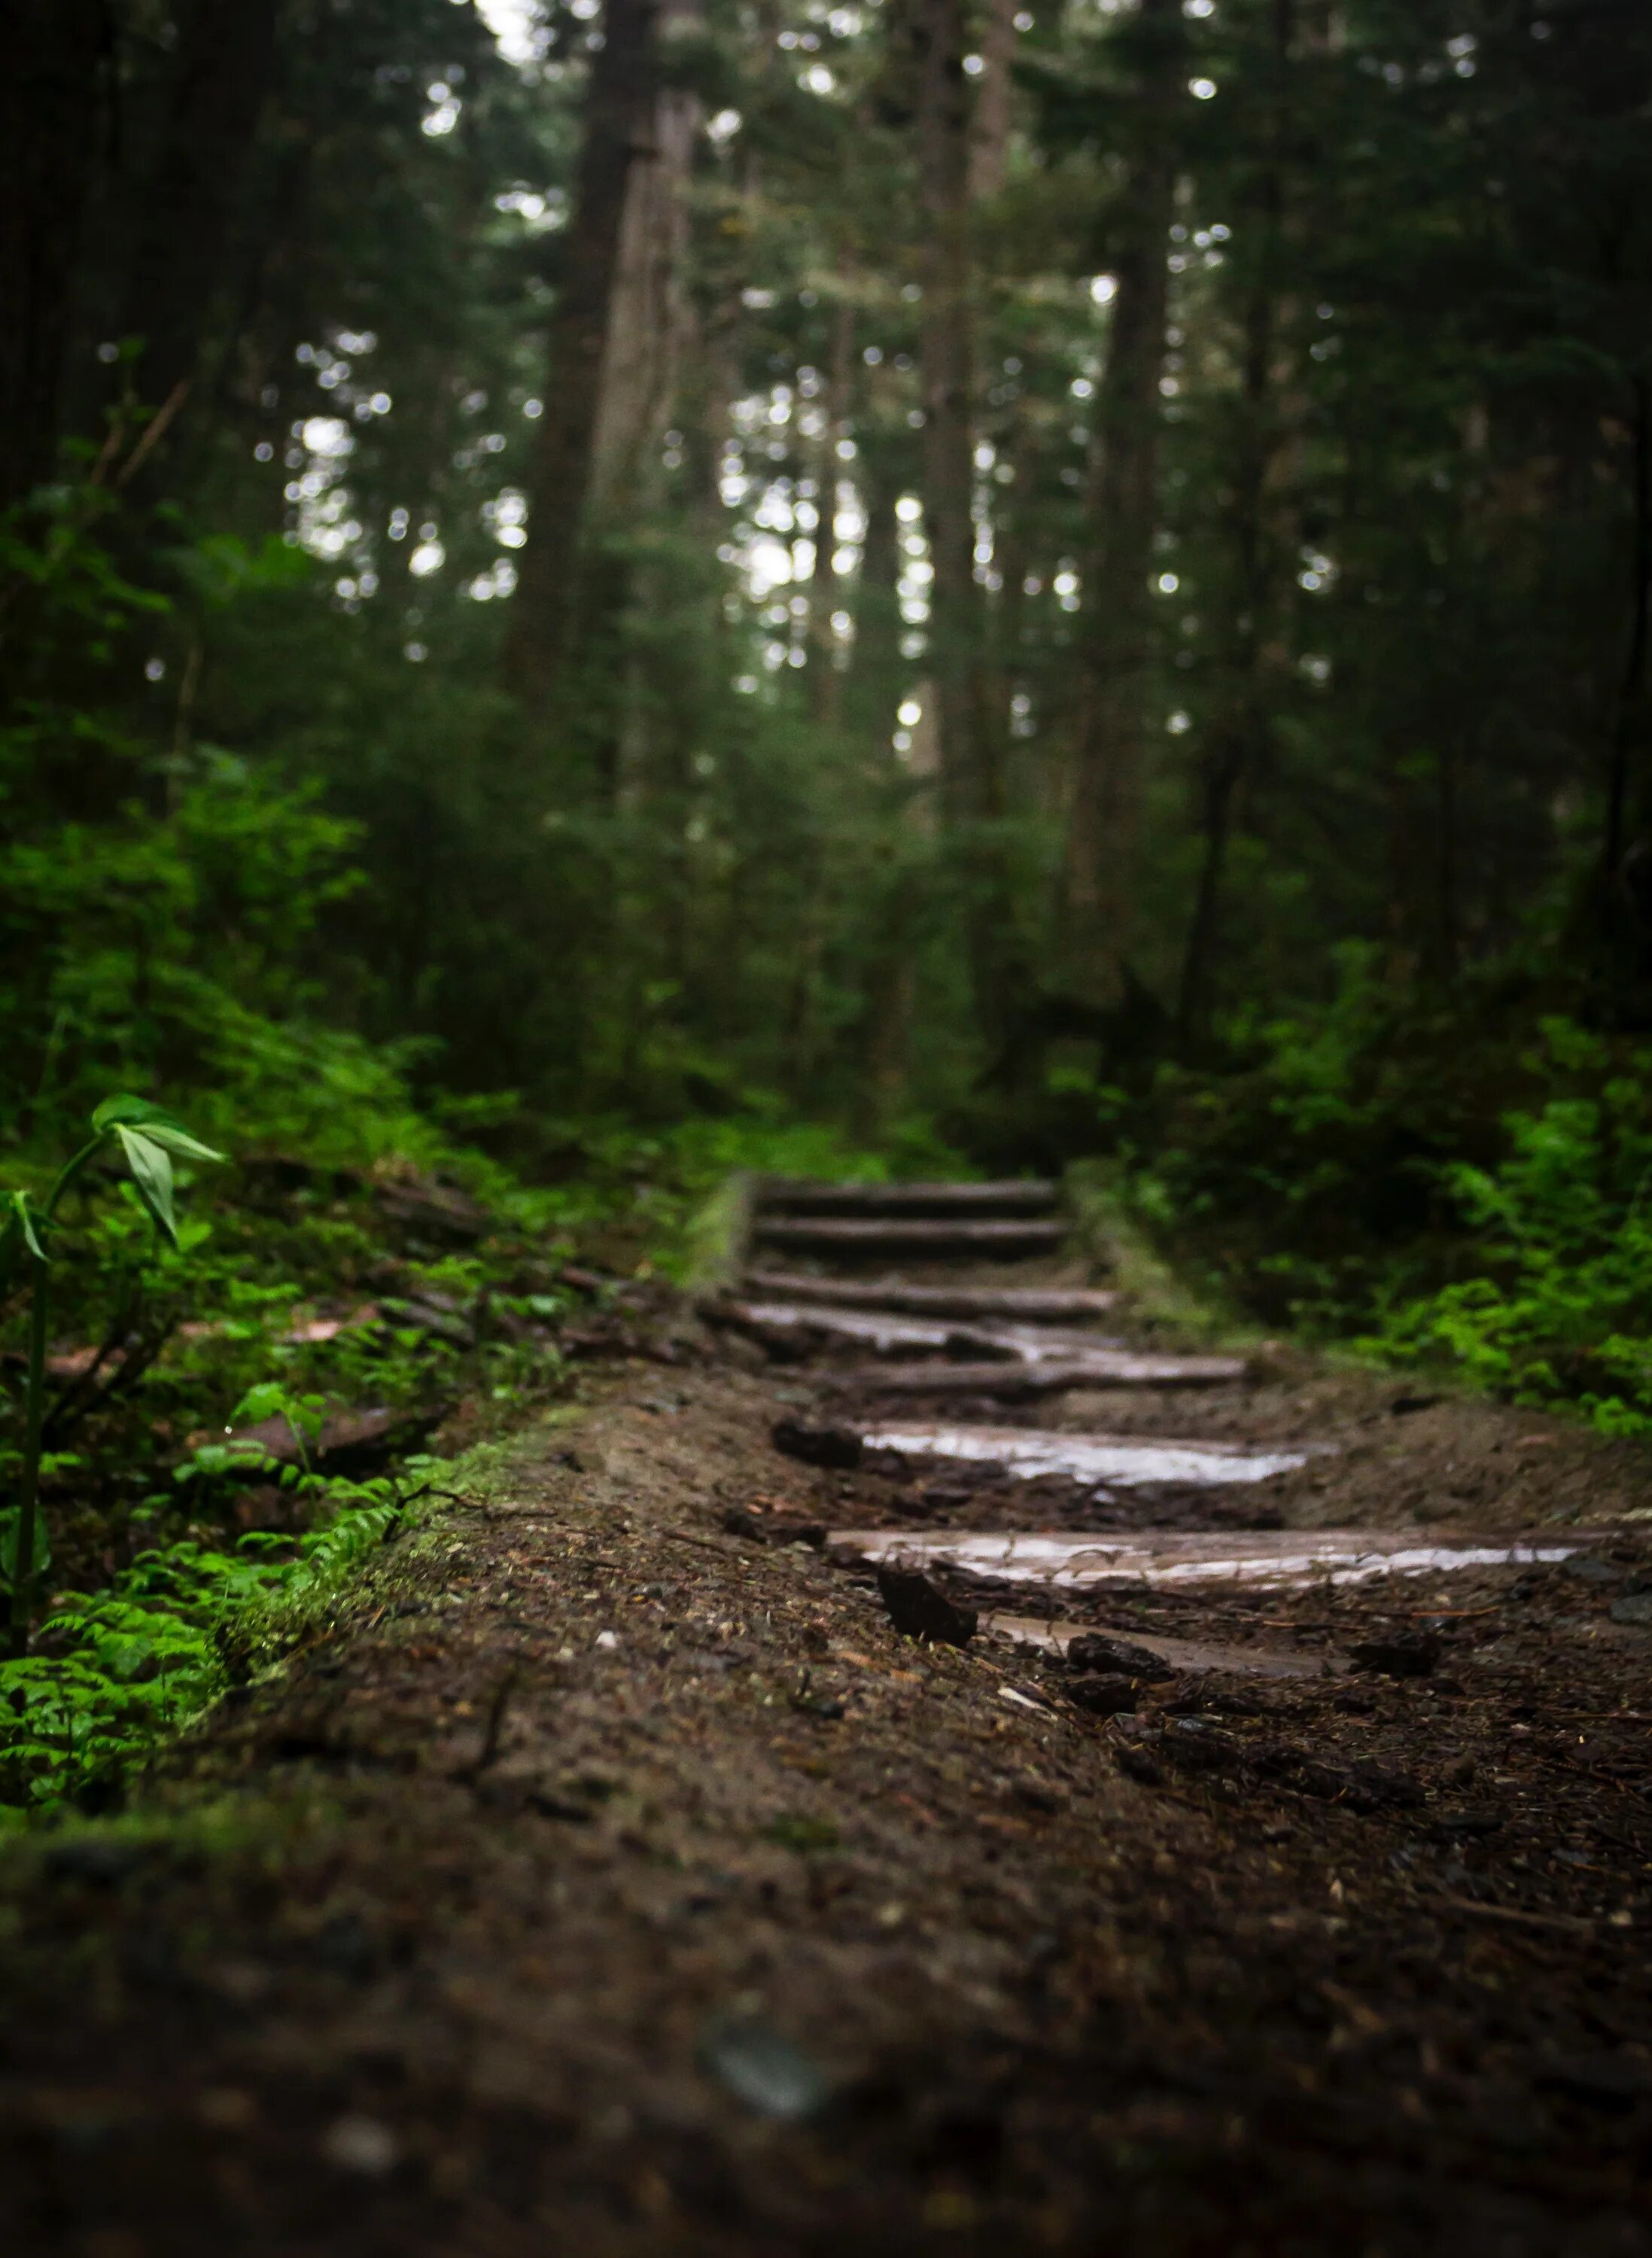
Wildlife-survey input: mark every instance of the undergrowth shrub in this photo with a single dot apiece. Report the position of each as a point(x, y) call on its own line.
point(1440, 1189)
point(115, 1671)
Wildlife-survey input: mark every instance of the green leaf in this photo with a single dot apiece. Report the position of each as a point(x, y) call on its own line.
point(162, 1127)
point(179, 1141)
point(267, 1399)
point(125, 1107)
point(23, 1222)
point(151, 1173)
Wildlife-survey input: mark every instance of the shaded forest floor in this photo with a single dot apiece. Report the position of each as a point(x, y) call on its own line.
point(616, 1879)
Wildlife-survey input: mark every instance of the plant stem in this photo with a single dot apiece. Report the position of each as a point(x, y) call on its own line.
point(70, 1170)
point(28, 1509)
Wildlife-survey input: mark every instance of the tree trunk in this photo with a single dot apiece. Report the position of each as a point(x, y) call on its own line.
point(621, 112)
point(50, 104)
point(948, 383)
point(1103, 830)
point(225, 70)
point(990, 133)
point(1239, 735)
point(826, 677)
point(1629, 720)
point(649, 318)
point(971, 778)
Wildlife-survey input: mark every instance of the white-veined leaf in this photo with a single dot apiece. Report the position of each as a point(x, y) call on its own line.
point(152, 1172)
point(179, 1141)
point(156, 1123)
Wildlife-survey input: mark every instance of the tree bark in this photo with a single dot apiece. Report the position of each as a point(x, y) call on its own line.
point(970, 753)
point(948, 385)
point(649, 318)
point(1630, 717)
point(225, 71)
point(989, 132)
point(620, 113)
point(825, 675)
point(51, 101)
point(1104, 826)
point(1239, 735)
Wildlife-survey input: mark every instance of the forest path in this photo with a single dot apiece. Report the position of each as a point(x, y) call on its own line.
point(622, 1880)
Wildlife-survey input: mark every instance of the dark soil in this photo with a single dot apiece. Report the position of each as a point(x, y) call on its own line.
point(619, 1879)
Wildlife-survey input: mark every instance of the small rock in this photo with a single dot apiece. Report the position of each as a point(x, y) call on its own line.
point(739, 1522)
point(920, 1610)
point(1636, 1608)
point(1402, 1654)
point(1039, 1795)
point(765, 2069)
point(1361, 1787)
point(817, 1446)
point(361, 2145)
point(1118, 1657)
point(1463, 1826)
point(1587, 1569)
point(607, 1641)
point(1106, 1695)
point(1198, 1745)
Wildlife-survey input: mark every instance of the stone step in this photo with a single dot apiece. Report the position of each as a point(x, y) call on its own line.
point(1264, 1558)
point(1027, 1304)
point(1110, 1462)
point(1097, 1368)
point(1013, 1195)
point(857, 1238)
point(800, 1324)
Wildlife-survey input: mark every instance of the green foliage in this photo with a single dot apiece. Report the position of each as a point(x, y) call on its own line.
point(147, 1137)
point(115, 1671)
point(1329, 1185)
point(1561, 1223)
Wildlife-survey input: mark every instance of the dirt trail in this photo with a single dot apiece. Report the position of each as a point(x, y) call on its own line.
point(620, 1880)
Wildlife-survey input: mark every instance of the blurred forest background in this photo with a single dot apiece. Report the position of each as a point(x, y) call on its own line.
point(595, 591)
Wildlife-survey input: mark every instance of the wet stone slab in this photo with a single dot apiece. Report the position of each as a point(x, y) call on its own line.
point(1024, 1304)
point(1016, 1376)
point(1263, 1558)
point(1015, 1196)
point(1109, 1461)
point(893, 1334)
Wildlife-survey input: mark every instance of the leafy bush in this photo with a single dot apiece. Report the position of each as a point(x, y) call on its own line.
point(115, 1671)
point(1563, 1225)
point(1428, 1186)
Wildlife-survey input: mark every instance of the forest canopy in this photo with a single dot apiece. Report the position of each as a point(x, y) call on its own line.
point(1068, 582)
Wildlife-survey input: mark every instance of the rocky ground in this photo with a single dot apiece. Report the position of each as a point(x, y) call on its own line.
point(613, 1876)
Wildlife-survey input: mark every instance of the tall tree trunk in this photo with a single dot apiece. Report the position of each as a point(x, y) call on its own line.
point(225, 71)
point(620, 122)
point(989, 132)
point(872, 687)
point(826, 676)
point(1629, 720)
point(1103, 824)
point(971, 776)
point(50, 107)
point(1238, 737)
point(948, 385)
point(649, 323)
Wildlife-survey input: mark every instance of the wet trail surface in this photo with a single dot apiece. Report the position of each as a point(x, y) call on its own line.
point(1270, 1870)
